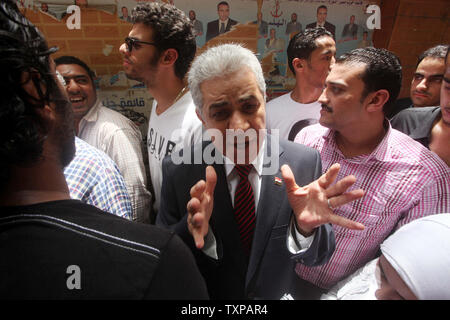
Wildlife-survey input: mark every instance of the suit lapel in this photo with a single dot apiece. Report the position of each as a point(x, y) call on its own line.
point(270, 200)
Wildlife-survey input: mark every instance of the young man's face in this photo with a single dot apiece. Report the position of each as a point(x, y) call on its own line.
point(141, 63)
point(234, 102)
point(445, 94)
point(224, 12)
point(341, 99)
point(320, 62)
point(426, 83)
point(321, 15)
point(79, 87)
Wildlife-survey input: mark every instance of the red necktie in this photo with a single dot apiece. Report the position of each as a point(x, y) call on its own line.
point(244, 207)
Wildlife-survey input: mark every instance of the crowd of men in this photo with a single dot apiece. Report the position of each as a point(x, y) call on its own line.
point(296, 202)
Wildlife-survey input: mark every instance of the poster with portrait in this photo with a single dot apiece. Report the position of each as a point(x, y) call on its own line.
point(278, 21)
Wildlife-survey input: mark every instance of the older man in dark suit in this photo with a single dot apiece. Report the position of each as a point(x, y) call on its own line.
point(246, 220)
point(221, 25)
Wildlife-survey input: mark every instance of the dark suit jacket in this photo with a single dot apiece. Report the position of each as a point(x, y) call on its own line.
point(212, 29)
point(328, 26)
point(269, 273)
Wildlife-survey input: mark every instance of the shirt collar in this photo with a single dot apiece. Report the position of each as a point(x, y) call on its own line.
point(257, 162)
point(381, 153)
point(92, 115)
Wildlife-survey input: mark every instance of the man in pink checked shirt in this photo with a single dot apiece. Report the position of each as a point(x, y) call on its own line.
point(402, 179)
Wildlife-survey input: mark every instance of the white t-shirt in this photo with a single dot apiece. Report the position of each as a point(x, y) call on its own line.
point(176, 128)
point(289, 116)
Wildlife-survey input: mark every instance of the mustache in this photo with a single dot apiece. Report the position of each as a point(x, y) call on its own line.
point(326, 107)
point(422, 93)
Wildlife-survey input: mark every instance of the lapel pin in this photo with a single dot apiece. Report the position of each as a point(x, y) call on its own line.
point(278, 181)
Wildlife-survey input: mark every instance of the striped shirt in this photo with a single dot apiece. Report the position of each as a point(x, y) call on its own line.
point(94, 178)
point(402, 181)
point(121, 140)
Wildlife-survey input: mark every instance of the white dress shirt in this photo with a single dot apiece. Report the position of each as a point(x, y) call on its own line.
point(121, 140)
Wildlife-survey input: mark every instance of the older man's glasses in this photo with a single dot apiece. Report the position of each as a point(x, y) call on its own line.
point(134, 43)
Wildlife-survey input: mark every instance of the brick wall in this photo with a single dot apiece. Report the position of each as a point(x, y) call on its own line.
point(98, 30)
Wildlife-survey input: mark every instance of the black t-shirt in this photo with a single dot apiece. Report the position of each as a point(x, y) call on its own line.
point(69, 250)
point(417, 123)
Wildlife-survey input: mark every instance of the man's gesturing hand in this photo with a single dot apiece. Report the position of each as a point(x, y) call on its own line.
point(200, 207)
point(312, 204)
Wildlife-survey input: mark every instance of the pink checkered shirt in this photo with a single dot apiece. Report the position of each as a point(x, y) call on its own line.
point(402, 181)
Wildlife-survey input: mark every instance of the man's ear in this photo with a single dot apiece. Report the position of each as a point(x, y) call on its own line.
point(169, 57)
point(298, 64)
point(47, 113)
point(375, 101)
point(199, 115)
point(29, 85)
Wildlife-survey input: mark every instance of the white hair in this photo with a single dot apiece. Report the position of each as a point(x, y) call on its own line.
point(219, 61)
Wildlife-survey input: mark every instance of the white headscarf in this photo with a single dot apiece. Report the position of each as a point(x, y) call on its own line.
point(420, 253)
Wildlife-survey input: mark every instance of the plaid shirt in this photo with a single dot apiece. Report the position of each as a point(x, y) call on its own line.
point(94, 178)
point(402, 181)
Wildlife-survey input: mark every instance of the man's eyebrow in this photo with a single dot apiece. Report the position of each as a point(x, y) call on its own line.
point(335, 83)
point(437, 75)
point(246, 98)
point(219, 104)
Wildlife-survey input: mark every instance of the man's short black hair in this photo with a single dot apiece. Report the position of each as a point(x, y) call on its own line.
point(222, 3)
point(383, 71)
point(321, 7)
point(436, 52)
point(304, 43)
point(77, 61)
point(172, 30)
point(23, 52)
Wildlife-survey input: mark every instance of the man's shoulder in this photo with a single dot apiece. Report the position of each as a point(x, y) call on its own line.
point(112, 120)
point(279, 100)
point(416, 113)
point(90, 159)
point(405, 149)
point(213, 22)
point(76, 219)
point(411, 119)
point(297, 149)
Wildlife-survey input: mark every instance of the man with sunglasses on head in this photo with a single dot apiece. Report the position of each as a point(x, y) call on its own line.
point(107, 130)
point(158, 52)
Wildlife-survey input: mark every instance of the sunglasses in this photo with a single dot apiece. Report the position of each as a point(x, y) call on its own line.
point(131, 43)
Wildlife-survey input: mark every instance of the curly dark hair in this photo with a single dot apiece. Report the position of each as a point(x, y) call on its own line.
point(23, 52)
point(383, 71)
point(304, 43)
point(172, 29)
